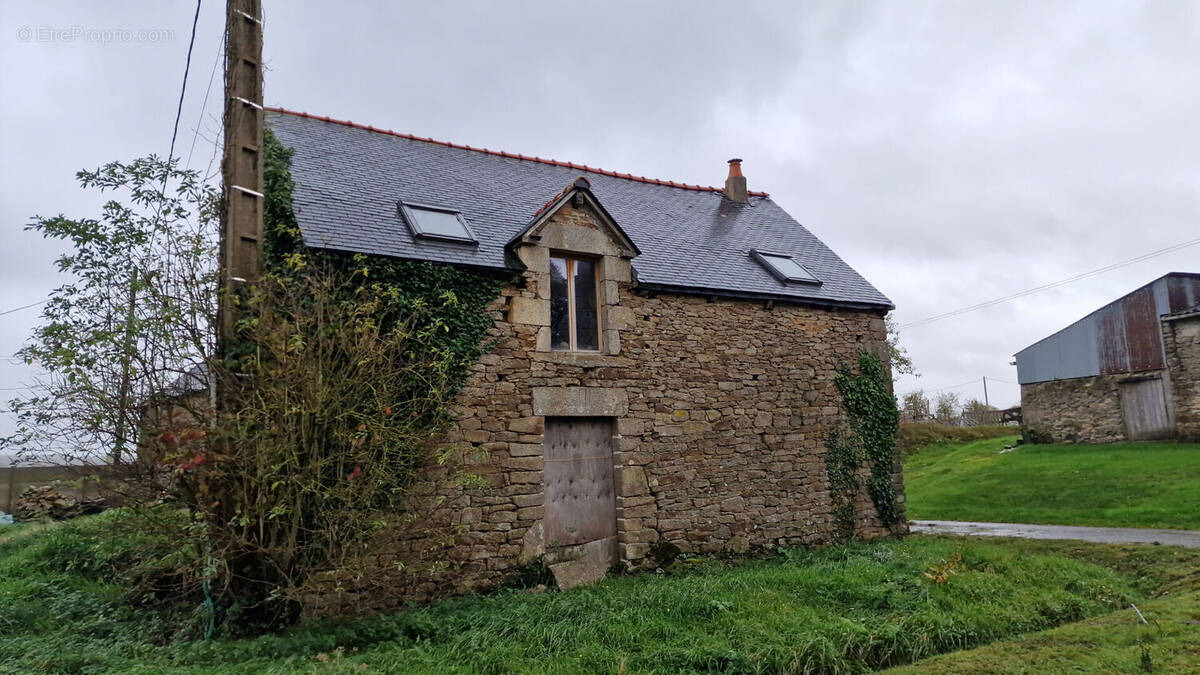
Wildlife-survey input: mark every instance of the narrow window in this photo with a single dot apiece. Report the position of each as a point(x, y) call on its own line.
point(574, 306)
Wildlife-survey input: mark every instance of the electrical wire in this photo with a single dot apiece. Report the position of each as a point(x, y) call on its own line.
point(17, 309)
point(187, 65)
point(1055, 284)
point(956, 386)
point(204, 105)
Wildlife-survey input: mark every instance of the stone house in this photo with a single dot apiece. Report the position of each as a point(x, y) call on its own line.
point(665, 352)
point(1127, 371)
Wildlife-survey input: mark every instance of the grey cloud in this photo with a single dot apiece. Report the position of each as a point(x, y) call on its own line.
point(951, 151)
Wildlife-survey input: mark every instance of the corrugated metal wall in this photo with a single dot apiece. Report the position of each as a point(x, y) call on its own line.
point(1121, 337)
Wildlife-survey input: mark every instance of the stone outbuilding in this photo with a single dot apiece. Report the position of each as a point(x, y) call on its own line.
point(663, 376)
point(1127, 371)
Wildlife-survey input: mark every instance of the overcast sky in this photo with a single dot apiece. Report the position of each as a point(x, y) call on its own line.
point(952, 152)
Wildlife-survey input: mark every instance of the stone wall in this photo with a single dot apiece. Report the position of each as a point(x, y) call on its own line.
point(720, 411)
point(1181, 338)
point(1078, 410)
point(1088, 409)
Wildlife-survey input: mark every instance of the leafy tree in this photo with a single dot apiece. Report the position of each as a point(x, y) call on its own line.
point(916, 405)
point(946, 408)
point(976, 406)
point(901, 362)
point(133, 318)
point(335, 386)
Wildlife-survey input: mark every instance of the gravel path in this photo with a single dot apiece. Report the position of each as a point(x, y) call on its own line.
point(1103, 535)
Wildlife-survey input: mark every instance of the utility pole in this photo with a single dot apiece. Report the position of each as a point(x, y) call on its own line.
point(242, 164)
point(985, 396)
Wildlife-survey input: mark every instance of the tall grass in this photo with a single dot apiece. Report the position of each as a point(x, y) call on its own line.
point(915, 436)
point(842, 610)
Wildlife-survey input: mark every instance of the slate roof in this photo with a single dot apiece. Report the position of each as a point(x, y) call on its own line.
point(348, 179)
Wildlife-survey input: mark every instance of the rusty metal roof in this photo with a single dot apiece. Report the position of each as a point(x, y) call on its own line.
point(1121, 337)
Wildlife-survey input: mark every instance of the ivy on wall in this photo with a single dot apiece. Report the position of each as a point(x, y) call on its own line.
point(454, 298)
point(869, 433)
point(843, 457)
point(337, 386)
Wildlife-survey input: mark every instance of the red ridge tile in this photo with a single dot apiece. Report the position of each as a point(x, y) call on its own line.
point(501, 153)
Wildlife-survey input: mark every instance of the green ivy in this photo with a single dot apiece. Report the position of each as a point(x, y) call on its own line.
point(456, 299)
point(842, 459)
point(874, 420)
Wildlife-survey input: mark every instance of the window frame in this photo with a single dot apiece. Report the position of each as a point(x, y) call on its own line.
point(410, 218)
point(764, 258)
point(572, 334)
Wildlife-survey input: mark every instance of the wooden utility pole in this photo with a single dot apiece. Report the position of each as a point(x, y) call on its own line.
point(242, 164)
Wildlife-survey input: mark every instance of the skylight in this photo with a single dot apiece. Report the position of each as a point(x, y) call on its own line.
point(436, 222)
point(784, 267)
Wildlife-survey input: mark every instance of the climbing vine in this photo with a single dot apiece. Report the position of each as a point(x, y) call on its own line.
point(336, 387)
point(869, 433)
point(842, 460)
point(454, 298)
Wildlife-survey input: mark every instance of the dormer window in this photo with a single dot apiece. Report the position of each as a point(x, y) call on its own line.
point(784, 267)
point(436, 222)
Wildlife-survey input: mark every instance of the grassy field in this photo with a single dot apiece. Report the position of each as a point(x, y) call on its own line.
point(1114, 643)
point(1118, 485)
point(916, 436)
point(66, 605)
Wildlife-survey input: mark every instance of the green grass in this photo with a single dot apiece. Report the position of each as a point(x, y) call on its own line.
point(1114, 643)
point(914, 436)
point(66, 606)
point(1154, 485)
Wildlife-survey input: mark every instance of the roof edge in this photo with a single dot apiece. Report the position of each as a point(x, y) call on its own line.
point(582, 187)
point(510, 155)
point(764, 297)
point(1101, 308)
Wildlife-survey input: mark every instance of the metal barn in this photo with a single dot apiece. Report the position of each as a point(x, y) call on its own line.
point(1122, 342)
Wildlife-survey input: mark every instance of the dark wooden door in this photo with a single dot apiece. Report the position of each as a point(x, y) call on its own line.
point(1144, 407)
point(580, 503)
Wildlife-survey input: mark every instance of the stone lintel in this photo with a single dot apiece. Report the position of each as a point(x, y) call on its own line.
point(580, 402)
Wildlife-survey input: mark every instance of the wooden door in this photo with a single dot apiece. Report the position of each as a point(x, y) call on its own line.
point(580, 502)
point(1144, 407)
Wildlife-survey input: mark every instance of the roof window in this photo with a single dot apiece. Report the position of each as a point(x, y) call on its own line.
point(436, 222)
point(784, 267)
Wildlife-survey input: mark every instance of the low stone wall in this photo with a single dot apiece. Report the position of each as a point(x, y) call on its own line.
point(73, 481)
point(1078, 410)
point(1181, 338)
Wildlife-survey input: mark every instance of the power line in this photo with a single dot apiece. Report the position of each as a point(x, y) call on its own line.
point(208, 172)
point(1061, 282)
point(183, 88)
point(17, 309)
point(204, 105)
point(956, 386)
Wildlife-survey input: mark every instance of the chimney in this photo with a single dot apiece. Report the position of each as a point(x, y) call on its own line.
point(735, 185)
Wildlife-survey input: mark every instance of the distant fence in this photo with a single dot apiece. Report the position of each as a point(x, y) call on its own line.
point(14, 480)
